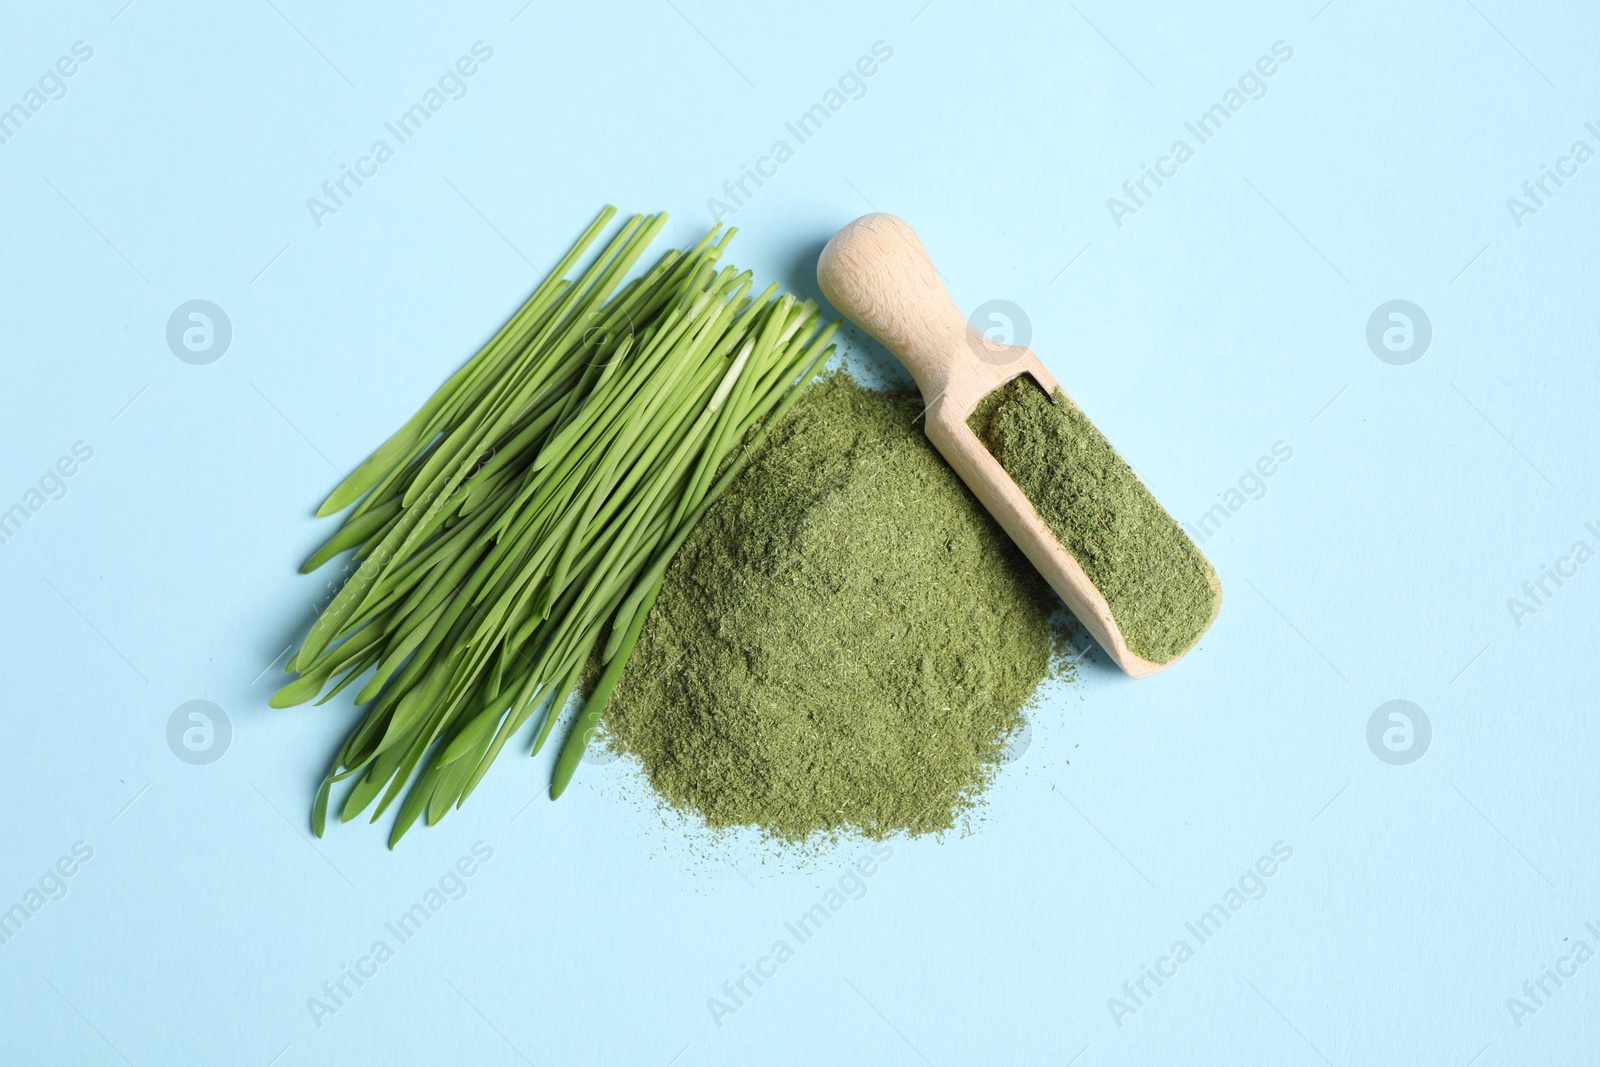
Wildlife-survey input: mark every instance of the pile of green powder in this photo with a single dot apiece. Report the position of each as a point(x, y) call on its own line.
point(1152, 576)
point(846, 641)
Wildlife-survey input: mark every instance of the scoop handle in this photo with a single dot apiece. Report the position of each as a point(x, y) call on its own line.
point(877, 274)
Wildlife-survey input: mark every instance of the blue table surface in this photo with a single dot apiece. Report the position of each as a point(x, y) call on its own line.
point(1322, 271)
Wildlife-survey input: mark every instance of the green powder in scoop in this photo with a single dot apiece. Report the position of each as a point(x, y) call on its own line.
point(846, 641)
point(1153, 577)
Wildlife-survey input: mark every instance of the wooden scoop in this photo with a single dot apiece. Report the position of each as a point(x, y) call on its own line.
point(877, 274)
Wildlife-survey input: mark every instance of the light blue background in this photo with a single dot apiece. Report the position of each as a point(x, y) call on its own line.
point(1228, 314)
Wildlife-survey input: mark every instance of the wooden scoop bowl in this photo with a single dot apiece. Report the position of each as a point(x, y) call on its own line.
point(877, 274)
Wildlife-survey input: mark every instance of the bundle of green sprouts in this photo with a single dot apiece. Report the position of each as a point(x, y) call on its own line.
point(521, 522)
